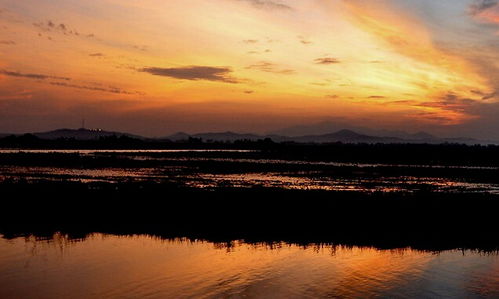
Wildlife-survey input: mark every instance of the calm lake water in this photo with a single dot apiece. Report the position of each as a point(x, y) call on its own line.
point(107, 266)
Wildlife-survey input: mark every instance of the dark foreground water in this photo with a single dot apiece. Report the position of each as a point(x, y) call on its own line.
point(108, 266)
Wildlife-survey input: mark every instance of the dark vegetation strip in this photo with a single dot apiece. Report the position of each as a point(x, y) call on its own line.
point(421, 220)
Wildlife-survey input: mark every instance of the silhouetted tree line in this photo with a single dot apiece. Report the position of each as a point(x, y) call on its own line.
point(428, 154)
point(30, 141)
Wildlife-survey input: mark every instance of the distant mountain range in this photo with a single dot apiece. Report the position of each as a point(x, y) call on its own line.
point(344, 135)
point(82, 134)
point(327, 127)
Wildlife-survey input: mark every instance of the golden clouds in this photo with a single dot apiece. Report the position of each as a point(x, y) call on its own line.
point(418, 65)
point(377, 60)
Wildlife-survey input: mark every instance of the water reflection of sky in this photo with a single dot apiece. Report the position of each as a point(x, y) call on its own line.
point(199, 169)
point(106, 266)
point(301, 180)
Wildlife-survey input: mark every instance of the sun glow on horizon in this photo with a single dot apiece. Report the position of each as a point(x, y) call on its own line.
point(266, 63)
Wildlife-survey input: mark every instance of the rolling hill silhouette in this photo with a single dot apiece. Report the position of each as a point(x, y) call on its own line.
point(81, 134)
point(344, 136)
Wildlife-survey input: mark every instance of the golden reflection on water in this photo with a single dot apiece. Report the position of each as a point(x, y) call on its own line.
point(304, 180)
point(106, 266)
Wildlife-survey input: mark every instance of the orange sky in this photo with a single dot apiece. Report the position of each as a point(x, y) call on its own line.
point(155, 67)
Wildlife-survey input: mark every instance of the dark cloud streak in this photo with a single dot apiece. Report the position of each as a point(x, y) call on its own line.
point(250, 41)
point(327, 60)
point(303, 40)
point(221, 74)
point(61, 28)
point(64, 82)
point(32, 76)
point(269, 67)
point(110, 89)
point(479, 6)
point(451, 102)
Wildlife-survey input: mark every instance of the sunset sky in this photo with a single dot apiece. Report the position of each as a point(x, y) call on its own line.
point(154, 67)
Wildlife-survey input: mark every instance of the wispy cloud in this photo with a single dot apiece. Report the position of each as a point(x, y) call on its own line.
point(269, 67)
point(142, 48)
point(208, 73)
point(269, 4)
point(485, 96)
point(250, 41)
point(450, 102)
point(326, 60)
point(485, 11)
point(110, 89)
point(61, 28)
point(31, 75)
point(479, 6)
point(303, 40)
point(65, 82)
